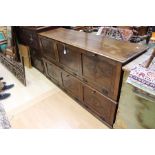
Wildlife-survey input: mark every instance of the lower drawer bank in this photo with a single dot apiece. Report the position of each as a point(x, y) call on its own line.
point(95, 102)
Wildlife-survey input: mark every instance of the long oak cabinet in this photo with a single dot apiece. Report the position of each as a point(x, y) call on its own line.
point(87, 67)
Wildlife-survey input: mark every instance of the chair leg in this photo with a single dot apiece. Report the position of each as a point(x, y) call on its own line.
point(150, 59)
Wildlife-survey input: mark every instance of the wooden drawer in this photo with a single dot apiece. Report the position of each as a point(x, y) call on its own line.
point(100, 105)
point(70, 58)
point(102, 74)
point(53, 72)
point(48, 48)
point(36, 60)
point(72, 85)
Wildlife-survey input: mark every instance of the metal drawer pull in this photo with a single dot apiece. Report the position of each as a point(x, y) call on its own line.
point(31, 39)
point(67, 75)
point(65, 50)
point(91, 54)
point(74, 74)
point(105, 91)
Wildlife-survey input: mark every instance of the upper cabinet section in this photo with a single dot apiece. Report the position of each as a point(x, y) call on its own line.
point(120, 51)
point(70, 58)
point(48, 48)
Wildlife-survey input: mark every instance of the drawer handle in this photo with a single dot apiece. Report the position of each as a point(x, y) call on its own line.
point(93, 92)
point(102, 118)
point(104, 91)
point(91, 54)
point(74, 74)
point(85, 80)
point(67, 75)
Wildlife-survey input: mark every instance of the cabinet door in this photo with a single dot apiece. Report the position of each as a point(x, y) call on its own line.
point(53, 72)
point(72, 85)
point(100, 105)
point(48, 48)
point(102, 74)
point(36, 60)
point(70, 58)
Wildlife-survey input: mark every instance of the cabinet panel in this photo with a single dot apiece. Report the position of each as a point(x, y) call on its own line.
point(36, 60)
point(100, 105)
point(70, 58)
point(37, 63)
point(48, 48)
point(53, 72)
point(100, 73)
point(72, 85)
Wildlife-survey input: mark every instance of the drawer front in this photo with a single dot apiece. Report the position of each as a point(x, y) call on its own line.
point(72, 85)
point(70, 58)
point(36, 60)
point(53, 72)
point(38, 64)
point(100, 105)
point(48, 48)
point(101, 74)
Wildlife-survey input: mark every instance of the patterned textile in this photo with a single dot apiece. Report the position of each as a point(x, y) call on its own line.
point(117, 33)
point(143, 78)
point(4, 123)
point(126, 34)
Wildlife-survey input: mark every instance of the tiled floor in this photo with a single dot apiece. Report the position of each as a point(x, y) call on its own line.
point(41, 104)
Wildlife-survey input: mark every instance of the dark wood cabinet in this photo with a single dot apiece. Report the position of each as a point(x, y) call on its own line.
point(100, 105)
point(88, 67)
point(72, 85)
point(70, 58)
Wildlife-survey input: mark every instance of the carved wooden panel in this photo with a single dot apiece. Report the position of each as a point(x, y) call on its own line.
point(16, 68)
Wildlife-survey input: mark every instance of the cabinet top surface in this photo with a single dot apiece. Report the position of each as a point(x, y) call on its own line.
point(121, 51)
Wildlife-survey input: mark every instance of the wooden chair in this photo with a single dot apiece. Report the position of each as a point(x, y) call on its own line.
point(150, 59)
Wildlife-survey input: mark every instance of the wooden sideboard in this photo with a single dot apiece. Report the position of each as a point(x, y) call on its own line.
point(88, 68)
